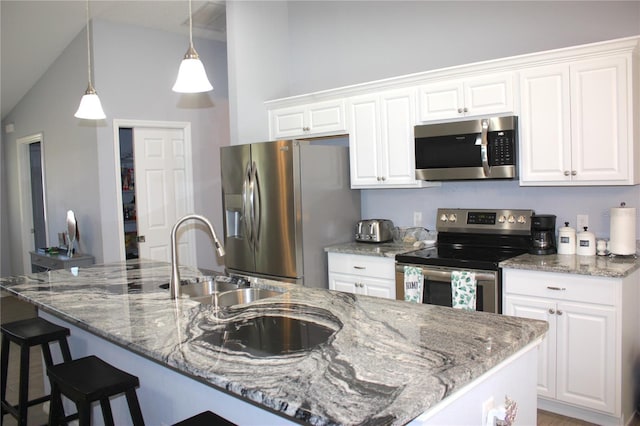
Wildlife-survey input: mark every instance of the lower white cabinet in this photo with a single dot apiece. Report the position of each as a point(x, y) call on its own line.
point(585, 363)
point(360, 274)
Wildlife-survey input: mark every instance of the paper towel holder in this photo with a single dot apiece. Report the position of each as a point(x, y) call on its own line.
point(622, 242)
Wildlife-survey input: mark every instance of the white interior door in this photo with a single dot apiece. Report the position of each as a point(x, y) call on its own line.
point(162, 162)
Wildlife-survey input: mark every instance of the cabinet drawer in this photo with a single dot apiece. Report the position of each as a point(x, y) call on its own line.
point(366, 266)
point(578, 288)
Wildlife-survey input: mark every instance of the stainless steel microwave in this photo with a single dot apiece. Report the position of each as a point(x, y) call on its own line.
point(485, 148)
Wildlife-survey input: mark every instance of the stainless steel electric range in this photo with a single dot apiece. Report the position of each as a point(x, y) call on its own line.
point(474, 240)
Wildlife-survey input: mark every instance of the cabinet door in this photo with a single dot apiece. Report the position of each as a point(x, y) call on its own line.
point(397, 119)
point(490, 94)
point(545, 132)
point(544, 310)
point(587, 357)
point(441, 100)
point(364, 141)
point(599, 132)
point(343, 282)
point(378, 287)
point(287, 122)
point(320, 118)
point(326, 117)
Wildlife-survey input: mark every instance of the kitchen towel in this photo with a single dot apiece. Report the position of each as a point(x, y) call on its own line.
point(463, 290)
point(413, 283)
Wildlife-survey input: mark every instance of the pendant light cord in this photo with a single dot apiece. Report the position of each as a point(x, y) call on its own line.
point(88, 46)
point(190, 27)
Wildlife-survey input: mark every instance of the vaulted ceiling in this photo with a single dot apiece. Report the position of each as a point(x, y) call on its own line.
point(34, 33)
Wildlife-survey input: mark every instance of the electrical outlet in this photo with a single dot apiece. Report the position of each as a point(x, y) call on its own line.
point(582, 221)
point(417, 218)
point(486, 407)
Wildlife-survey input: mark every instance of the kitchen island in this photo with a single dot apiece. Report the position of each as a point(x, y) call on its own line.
point(379, 361)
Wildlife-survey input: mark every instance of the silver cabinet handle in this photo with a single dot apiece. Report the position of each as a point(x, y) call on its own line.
point(556, 288)
point(552, 311)
point(566, 173)
point(359, 267)
point(465, 109)
point(559, 312)
point(573, 173)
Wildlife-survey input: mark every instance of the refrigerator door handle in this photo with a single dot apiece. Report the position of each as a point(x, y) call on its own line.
point(256, 206)
point(246, 208)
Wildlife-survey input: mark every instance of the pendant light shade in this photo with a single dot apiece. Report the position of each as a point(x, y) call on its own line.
point(90, 107)
point(192, 77)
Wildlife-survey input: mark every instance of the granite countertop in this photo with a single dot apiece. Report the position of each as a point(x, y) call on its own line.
point(393, 360)
point(389, 249)
point(602, 266)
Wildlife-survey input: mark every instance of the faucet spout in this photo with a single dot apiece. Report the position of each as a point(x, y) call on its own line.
point(174, 281)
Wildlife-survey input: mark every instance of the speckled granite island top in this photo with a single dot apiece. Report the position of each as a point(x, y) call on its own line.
point(386, 362)
point(603, 266)
point(389, 249)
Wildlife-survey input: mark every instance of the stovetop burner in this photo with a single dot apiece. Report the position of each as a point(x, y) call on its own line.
point(475, 239)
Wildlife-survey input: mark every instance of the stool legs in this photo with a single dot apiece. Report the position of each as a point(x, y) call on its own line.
point(134, 407)
point(4, 365)
point(26, 334)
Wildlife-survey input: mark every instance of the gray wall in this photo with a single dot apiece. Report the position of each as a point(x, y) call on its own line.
point(134, 71)
point(333, 44)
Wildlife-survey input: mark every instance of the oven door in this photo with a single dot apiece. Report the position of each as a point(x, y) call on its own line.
point(437, 286)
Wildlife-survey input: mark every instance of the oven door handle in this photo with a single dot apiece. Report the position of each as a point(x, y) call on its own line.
point(445, 275)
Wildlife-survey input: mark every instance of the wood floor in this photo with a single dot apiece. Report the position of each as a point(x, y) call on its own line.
point(12, 309)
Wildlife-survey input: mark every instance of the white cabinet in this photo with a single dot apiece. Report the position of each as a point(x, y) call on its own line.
point(483, 95)
point(314, 119)
point(360, 274)
point(585, 366)
point(381, 142)
point(576, 123)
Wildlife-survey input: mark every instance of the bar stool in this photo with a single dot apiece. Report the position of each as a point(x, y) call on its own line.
point(87, 380)
point(27, 333)
point(206, 418)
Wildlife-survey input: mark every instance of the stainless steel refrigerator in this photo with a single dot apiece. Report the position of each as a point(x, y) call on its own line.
point(284, 201)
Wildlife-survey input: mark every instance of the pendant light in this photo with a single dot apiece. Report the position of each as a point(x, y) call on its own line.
point(90, 107)
point(192, 77)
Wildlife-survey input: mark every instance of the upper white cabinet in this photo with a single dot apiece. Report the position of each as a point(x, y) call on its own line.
point(381, 143)
point(576, 123)
point(314, 119)
point(474, 96)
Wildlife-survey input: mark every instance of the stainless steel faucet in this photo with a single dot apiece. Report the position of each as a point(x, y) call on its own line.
point(174, 282)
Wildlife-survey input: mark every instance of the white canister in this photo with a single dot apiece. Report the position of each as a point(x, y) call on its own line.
point(566, 240)
point(622, 238)
point(586, 243)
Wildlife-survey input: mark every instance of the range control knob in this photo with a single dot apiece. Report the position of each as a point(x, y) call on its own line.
point(443, 218)
point(452, 217)
point(522, 219)
point(511, 219)
point(502, 219)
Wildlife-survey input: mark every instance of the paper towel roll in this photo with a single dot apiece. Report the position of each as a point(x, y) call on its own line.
point(623, 231)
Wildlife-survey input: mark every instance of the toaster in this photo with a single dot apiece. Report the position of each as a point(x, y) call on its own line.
point(374, 230)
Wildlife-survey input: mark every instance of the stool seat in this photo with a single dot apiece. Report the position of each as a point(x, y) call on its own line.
point(89, 379)
point(27, 333)
point(206, 418)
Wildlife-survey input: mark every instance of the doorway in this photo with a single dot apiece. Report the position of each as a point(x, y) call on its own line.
point(155, 188)
point(32, 196)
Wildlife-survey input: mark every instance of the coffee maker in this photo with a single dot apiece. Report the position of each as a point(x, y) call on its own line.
point(543, 234)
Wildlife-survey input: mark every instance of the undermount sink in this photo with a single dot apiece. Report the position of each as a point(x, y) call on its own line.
point(222, 291)
point(208, 285)
point(242, 296)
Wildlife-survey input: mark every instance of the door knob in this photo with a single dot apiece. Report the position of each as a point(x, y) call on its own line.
point(141, 239)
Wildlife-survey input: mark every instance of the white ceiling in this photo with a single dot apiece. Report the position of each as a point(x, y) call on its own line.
point(34, 33)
